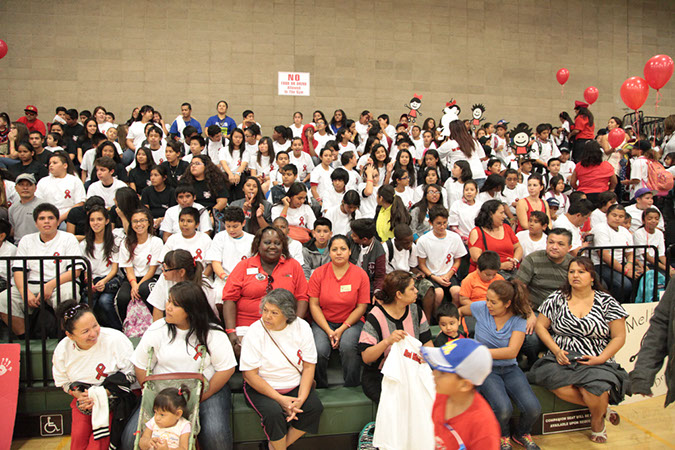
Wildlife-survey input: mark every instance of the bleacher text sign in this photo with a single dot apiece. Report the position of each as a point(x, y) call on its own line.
point(558, 422)
point(294, 83)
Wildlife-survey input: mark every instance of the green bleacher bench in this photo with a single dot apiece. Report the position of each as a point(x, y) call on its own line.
point(346, 410)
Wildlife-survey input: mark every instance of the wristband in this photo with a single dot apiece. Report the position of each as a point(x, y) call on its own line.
point(222, 275)
point(348, 326)
point(229, 330)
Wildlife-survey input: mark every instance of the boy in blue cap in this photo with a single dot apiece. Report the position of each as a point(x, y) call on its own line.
point(463, 419)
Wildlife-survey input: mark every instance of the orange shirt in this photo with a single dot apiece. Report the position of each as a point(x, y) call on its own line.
point(475, 288)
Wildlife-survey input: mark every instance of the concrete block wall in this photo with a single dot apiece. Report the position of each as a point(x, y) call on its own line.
point(372, 54)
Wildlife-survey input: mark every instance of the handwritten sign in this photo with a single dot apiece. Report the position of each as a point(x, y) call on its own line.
point(294, 83)
point(637, 324)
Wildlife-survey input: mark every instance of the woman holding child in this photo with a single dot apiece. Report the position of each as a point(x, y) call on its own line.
point(583, 328)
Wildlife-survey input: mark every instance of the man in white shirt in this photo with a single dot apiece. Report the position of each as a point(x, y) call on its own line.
point(644, 198)
point(362, 125)
point(107, 184)
point(185, 196)
point(573, 220)
point(389, 130)
point(47, 241)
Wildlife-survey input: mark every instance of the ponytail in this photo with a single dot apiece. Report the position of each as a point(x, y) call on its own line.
point(182, 259)
point(513, 291)
point(399, 213)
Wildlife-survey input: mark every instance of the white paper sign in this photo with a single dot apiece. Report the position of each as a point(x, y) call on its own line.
point(294, 83)
point(637, 324)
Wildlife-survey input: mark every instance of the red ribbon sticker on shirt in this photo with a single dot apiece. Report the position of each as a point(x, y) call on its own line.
point(67, 194)
point(100, 371)
point(198, 354)
point(108, 263)
point(198, 254)
point(149, 259)
point(302, 221)
point(448, 259)
point(299, 357)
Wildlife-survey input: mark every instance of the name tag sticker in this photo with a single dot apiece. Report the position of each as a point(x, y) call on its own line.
point(251, 271)
point(346, 288)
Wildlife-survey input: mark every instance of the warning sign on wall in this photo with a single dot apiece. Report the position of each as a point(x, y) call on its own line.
point(294, 83)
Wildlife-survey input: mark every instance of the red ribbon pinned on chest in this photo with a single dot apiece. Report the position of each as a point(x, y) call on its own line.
point(100, 371)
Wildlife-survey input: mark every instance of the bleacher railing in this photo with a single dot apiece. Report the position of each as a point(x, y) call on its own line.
point(621, 251)
point(649, 125)
point(72, 264)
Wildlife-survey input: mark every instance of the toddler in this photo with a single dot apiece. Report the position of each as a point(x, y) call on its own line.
point(168, 428)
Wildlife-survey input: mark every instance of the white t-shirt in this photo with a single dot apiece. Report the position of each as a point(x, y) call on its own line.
point(361, 130)
point(331, 198)
point(228, 250)
point(171, 435)
point(303, 163)
point(213, 149)
point(281, 147)
point(440, 253)
point(406, 401)
point(160, 294)
point(566, 169)
point(339, 220)
point(639, 170)
point(350, 147)
point(110, 354)
point(407, 196)
point(528, 244)
point(107, 193)
point(264, 167)
point(450, 153)
point(636, 218)
point(368, 204)
point(297, 131)
point(302, 216)
point(233, 160)
point(258, 351)
point(463, 216)
point(295, 250)
point(321, 141)
point(198, 245)
point(137, 133)
point(175, 356)
point(6, 249)
point(511, 196)
point(544, 150)
point(402, 259)
point(564, 222)
point(598, 217)
point(64, 193)
point(641, 237)
point(10, 193)
point(605, 236)
point(100, 265)
point(170, 224)
point(88, 160)
point(320, 178)
point(63, 244)
point(454, 191)
point(145, 255)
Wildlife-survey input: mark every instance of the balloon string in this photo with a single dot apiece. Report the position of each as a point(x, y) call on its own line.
point(636, 125)
point(658, 98)
point(562, 90)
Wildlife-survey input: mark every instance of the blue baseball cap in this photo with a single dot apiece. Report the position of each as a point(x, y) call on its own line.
point(467, 358)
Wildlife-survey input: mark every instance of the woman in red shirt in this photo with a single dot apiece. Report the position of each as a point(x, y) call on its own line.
point(269, 268)
point(584, 129)
point(533, 202)
point(491, 233)
point(339, 294)
point(592, 175)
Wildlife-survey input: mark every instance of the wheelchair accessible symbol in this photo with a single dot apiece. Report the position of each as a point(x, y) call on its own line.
point(51, 425)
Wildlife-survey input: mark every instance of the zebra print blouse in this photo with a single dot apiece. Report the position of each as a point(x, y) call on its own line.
point(588, 335)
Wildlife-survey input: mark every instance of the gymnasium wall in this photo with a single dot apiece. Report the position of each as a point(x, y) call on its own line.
point(362, 54)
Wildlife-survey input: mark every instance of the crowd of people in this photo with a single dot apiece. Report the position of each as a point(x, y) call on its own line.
point(264, 254)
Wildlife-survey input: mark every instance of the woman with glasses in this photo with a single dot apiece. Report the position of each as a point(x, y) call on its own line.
point(269, 267)
point(138, 260)
point(419, 213)
point(401, 182)
point(177, 266)
point(339, 294)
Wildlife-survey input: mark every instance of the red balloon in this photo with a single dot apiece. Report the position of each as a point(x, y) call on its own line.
point(616, 137)
point(658, 71)
point(562, 76)
point(3, 48)
point(591, 94)
point(634, 92)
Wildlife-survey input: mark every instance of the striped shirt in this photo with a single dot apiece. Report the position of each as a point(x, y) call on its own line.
point(542, 276)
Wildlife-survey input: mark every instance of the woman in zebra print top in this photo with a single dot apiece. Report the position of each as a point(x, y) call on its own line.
point(583, 327)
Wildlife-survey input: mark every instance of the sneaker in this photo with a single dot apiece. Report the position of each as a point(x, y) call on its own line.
point(526, 441)
point(505, 443)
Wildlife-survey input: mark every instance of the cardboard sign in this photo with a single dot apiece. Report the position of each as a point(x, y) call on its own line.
point(637, 324)
point(294, 83)
point(559, 422)
point(9, 390)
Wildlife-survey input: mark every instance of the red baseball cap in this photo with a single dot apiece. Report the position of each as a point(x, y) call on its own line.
point(578, 104)
point(31, 108)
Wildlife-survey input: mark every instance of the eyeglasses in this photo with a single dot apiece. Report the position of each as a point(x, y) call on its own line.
point(139, 221)
point(430, 191)
point(269, 288)
point(197, 163)
point(165, 268)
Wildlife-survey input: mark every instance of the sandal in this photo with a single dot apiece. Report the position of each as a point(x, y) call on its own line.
point(599, 437)
point(613, 416)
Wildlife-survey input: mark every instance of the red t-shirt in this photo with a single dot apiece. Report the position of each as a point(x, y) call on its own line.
point(503, 247)
point(338, 298)
point(247, 285)
point(585, 131)
point(594, 179)
point(36, 125)
point(477, 427)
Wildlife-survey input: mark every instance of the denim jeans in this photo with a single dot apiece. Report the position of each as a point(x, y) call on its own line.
point(507, 383)
point(6, 162)
point(128, 157)
point(620, 290)
point(214, 418)
point(349, 354)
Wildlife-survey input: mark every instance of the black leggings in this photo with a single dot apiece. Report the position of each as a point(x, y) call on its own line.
point(124, 295)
